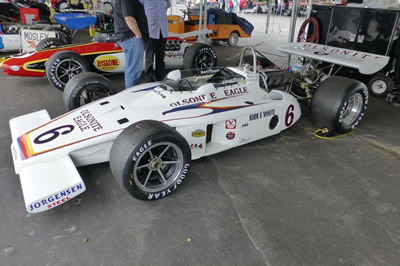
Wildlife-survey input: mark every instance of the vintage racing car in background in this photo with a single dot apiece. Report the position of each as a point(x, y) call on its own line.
point(11, 34)
point(151, 132)
point(103, 56)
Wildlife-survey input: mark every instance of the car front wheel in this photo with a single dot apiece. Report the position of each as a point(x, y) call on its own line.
point(150, 159)
point(63, 66)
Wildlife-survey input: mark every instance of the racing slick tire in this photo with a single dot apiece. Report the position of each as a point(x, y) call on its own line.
point(200, 56)
point(49, 43)
point(380, 85)
point(86, 88)
point(63, 66)
point(233, 38)
point(150, 159)
point(339, 104)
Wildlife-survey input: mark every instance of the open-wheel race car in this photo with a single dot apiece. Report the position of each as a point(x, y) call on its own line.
point(151, 132)
point(103, 55)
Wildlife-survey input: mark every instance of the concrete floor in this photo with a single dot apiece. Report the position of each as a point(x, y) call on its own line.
point(291, 199)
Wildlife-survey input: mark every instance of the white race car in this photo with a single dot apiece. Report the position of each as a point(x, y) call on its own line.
point(151, 132)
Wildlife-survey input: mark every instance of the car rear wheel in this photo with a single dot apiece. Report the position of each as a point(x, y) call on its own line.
point(86, 88)
point(150, 159)
point(339, 104)
point(63, 66)
point(49, 43)
point(200, 56)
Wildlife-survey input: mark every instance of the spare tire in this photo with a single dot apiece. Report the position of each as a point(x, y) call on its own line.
point(200, 56)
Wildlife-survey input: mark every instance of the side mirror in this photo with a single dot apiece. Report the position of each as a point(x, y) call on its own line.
point(174, 75)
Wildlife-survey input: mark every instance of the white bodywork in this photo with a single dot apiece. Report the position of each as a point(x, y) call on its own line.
point(9, 42)
point(30, 39)
point(366, 63)
point(46, 152)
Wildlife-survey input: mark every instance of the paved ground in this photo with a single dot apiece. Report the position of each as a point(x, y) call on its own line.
point(291, 199)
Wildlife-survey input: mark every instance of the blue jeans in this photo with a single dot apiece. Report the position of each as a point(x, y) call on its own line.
point(134, 52)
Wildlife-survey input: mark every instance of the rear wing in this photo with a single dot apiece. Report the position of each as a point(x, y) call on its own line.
point(366, 63)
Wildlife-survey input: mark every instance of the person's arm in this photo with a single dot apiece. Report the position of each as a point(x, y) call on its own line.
point(132, 24)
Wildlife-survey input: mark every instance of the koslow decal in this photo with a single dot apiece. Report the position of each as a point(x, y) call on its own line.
point(106, 62)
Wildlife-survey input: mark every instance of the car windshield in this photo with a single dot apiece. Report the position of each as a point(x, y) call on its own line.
point(191, 80)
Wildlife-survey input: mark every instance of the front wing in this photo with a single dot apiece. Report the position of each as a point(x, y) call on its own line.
point(48, 182)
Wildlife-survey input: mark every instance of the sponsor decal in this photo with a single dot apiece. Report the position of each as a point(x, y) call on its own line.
point(31, 38)
point(245, 139)
point(1, 43)
point(35, 35)
point(159, 92)
point(201, 98)
point(196, 146)
point(326, 50)
point(245, 125)
point(86, 120)
point(230, 124)
point(232, 81)
point(230, 135)
point(15, 68)
point(261, 114)
point(236, 91)
point(198, 133)
point(164, 193)
point(106, 62)
point(194, 99)
point(141, 150)
point(56, 199)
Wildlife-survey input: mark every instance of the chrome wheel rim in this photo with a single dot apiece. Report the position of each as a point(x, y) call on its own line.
point(158, 167)
point(352, 109)
point(67, 69)
point(379, 86)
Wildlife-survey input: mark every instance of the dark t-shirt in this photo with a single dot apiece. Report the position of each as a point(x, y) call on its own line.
point(132, 8)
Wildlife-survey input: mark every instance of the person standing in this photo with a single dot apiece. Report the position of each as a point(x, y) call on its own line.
point(156, 13)
point(130, 25)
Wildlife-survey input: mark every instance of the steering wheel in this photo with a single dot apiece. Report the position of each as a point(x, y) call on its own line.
point(182, 87)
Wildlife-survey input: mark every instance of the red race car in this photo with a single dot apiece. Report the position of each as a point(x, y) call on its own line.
point(61, 63)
